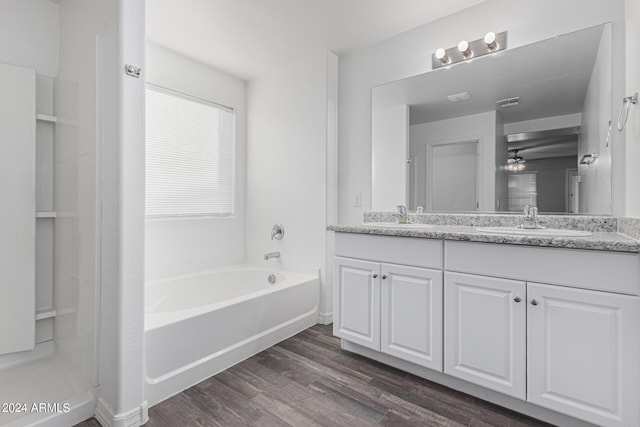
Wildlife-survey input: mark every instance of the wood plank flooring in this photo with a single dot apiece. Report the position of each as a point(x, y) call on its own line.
point(309, 381)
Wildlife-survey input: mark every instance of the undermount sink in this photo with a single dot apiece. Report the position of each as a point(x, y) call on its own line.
point(395, 225)
point(545, 232)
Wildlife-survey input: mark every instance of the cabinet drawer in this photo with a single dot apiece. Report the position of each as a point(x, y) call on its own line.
point(599, 270)
point(397, 250)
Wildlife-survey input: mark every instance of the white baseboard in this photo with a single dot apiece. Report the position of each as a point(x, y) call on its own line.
point(134, 418)
point(325, 318)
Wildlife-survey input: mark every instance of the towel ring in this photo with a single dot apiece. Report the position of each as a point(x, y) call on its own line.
point(624, 111)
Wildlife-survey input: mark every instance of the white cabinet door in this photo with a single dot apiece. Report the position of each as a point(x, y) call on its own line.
point(485, 326)
point(412, 314)
point(357, 302)
point(583, 353)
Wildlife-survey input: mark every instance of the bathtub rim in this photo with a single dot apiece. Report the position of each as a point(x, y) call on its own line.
point(154, 320)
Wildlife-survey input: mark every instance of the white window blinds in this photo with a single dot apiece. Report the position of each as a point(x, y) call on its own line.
point(189, 156)
point(523, 191)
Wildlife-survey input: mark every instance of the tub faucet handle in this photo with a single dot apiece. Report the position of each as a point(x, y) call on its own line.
point(277, 232)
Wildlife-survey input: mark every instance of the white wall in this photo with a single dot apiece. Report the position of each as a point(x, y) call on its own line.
point(177, 246)
point(29, 35)
point(596, 114)
point(632, 85)
point(502, 185)
point(545, 123)
point(287, 134)
point(389, 151)
point(409, 54)
point(476, 127)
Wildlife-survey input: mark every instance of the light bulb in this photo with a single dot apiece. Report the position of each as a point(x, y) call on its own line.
point(441, 55)
point(490, 40)
point(463, 47)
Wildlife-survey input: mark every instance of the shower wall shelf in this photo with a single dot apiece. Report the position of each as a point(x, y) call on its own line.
point(46, 214)
point(45, 314)
point(47, 118)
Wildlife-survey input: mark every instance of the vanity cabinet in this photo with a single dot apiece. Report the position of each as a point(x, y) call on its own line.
point(388, 307)
point(557, 328)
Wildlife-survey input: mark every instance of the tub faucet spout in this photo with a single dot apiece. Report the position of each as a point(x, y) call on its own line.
point(272, 255)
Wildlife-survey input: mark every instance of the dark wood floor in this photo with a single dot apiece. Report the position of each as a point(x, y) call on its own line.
point(308, 380)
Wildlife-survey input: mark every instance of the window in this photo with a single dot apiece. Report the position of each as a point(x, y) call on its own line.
point(189, 156)
point(574, 192)
point(522, 191)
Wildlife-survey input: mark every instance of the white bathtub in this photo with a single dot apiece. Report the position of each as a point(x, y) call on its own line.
point(199, 325)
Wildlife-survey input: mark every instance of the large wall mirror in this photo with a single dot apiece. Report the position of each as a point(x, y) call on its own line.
point(525, 126)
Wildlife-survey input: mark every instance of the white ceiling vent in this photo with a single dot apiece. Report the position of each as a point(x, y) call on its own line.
point(457, 97)
point(509, 102)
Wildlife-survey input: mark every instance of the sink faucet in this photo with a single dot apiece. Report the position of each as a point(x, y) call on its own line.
point(270, 255)
point(530, 217)
point(402, 214)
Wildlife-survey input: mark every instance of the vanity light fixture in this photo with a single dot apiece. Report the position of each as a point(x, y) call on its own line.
point(588, 159)
point(466, 50)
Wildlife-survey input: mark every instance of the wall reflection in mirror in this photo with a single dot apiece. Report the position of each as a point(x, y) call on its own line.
point(500, 132)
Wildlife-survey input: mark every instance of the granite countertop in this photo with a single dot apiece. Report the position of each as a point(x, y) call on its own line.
point(607, 240)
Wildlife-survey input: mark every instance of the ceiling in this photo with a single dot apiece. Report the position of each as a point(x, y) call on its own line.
point(247, 38)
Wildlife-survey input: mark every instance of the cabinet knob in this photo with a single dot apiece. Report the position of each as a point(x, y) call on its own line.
point(534, 302)
point(374, 275)
point(517, 299)
point(384, 276)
